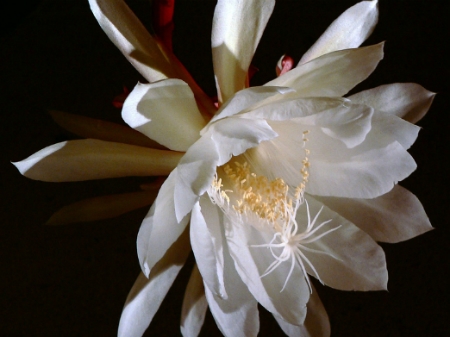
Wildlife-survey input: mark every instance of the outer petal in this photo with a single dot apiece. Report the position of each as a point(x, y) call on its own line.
point(316, 322)
point(194, 306)
point(166, 112)
point(251, 262)
point(146, 295)
point(332, 74)
point(207, 250)
point(409, 101)
point(236, 316)
point(160, 228)
point(130, 36)
point(237, 28)
point(104, 207)
point(395, 216)
point(87, 127)
point(88, 159)
point(349, 30)
point(350, 259)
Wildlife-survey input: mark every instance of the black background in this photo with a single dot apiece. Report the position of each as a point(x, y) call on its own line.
point(73, 280)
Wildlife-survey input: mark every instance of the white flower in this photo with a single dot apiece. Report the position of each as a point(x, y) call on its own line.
point(285, 180)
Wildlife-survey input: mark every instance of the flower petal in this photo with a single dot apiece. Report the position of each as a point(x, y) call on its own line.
point(209, 260)
point(349, 30)
point(104, 207)
point(350, 258)
point(194, 306)
point(393, 217)
point(237, 29)
point(146, 295)
point(316, 323)
point(87, 127)
point(160, 228)
point(251, 262)
point(236, 316)
point(332, 74)
point(88, 159)
point(129, 35)
point(166, 112)
point(409, 101)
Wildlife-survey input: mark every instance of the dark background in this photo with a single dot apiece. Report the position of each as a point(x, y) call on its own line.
point(73, 280)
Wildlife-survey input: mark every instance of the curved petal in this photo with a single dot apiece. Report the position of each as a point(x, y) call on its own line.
point(88, 159)
point(129, 35)
point(146, 295)
point(349, 259)
point(409, 101)
point(316, 323)
point(166, 112)
point(236, 316)
point(87, 127)
point(194, 306)
point(349, 30)
point(237, 29)
point(160, 228)
point(104, 207)
point(251, 262)
point(393, 217)
point(332, 74)
point(209, 260)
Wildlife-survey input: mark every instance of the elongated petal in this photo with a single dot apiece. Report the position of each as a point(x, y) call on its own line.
point(236, 316)
point(160, 228)
point(87, 127)
point(104, 207)
point(316, 322)
point(409, 101)
point(89, 159)
point(237, 29)
point(366, 175)
point(393, 217)
point(129, 35)
point(166, 112)
point(332, 74)
point(251, 262)
point(209, 261)
point(194, 306)
point(349, 30)
point(146, 295)
point(350, 258)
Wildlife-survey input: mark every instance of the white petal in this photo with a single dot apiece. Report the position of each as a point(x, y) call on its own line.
point(409, 101)
point(349, 30)
point(104, 207)
point(395, 216)
point(332, 74)
point(252, 262)
point(130, 36)
point(236, 316)
point(146, 295)
point(351, 259)
point(365, 175)
point(246, 98)
point(237, 28)
point(316, 322)
point(160, 228)
point(166, 112)
point(88, 159)
point(194, 306)
point(209, 261)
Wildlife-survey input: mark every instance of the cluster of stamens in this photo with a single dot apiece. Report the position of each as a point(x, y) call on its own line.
point(271, 204)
